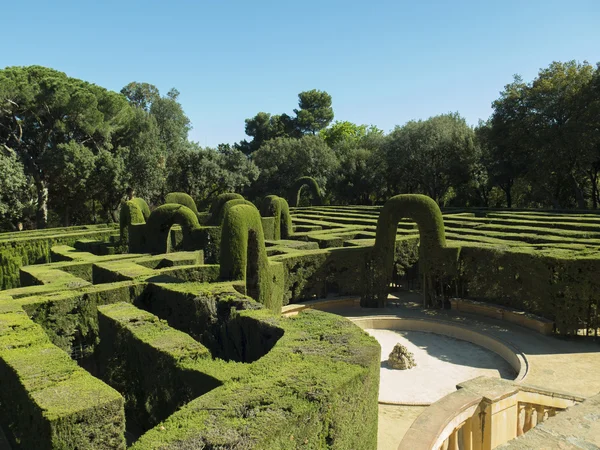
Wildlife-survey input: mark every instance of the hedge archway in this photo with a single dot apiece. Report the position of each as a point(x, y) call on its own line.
point(243, 252)
point(181, 198)
point(217, 204)
point(309, 183)
point(130, 214)
point(160, 222)
point(432, 242)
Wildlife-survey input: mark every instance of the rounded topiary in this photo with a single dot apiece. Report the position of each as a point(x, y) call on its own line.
point(129, 214)
point(162, 219)
point(432, 241)
point(277, 207)
point(217, 204)
point(181, 198)
point(243, 252)
point(312, 186)
point(141, 203)
point(228, 205)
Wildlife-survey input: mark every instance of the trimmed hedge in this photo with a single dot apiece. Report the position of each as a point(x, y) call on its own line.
point(243, 254)
point(313, 187)
point(129, 214)
point(181, 198)
point(160, 222)
point(142, 205)
point(317, 388)
point(426, 213)
point(35, 249)
point(157, 368)
point(217, 204)
point(278, 208)
point(48, 401)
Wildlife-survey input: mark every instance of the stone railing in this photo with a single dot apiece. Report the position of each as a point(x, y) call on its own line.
point(483, 414)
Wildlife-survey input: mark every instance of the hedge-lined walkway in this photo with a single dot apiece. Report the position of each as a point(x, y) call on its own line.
point(568, 365)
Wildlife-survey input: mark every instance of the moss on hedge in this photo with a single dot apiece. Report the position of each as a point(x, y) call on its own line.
point(313, 187)
point(181, 198)
point(243, 254)
point(278, 208)
point(29, 249)
point(320, 392)
point(48, 401)
point(157, 368)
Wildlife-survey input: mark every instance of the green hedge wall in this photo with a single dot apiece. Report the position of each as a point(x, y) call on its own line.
point(157, 368)
point(35, 249)
point(160, 222)
point(316, 388)
point(217, 204)
point(48, 401)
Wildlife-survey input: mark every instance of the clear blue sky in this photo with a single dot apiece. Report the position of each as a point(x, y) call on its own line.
point(383, 62)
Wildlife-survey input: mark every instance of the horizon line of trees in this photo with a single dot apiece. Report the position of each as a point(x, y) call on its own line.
point(70, 149)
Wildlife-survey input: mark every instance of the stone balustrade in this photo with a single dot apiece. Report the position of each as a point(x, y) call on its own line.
point(483, 414)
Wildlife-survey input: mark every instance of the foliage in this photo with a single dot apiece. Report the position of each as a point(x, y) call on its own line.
point(315, 111)
point(13, 189)
point(277, 207)
point(281, 161)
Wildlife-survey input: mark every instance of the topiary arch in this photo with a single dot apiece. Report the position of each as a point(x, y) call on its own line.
point(141, 203)
point(181, 198)
point(277, 207)
point(312, 186)
point(243, 253)
point(426, 213)
point(217, 204)
point(160, 222)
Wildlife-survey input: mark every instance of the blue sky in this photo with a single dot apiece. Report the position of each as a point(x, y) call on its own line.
point(383, 62)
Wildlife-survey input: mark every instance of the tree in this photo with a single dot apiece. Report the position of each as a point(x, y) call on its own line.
point(538, 133)
point(205, 173)
point(315, 111)
point(42, 109)
point(283, 160)
point(343, 132)
point(141, 95)
point(430, 156)
point(264, 127)
point(13, 189)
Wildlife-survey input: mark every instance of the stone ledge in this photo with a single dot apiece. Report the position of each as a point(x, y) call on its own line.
point(522, 318)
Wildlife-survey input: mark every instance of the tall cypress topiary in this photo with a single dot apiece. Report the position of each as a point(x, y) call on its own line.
point(243, 253)
point(277, 207)
point(426, 213)
point(312, 186)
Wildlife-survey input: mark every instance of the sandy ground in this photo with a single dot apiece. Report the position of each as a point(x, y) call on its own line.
point(442, 363)
point(394, 422)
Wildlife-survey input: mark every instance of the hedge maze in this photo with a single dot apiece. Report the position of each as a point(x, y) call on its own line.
point(165, 332)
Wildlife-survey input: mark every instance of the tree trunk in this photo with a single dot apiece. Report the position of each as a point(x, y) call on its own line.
point(594, 183)
point(41, 215)
point(66, 220)
point(578, 194)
